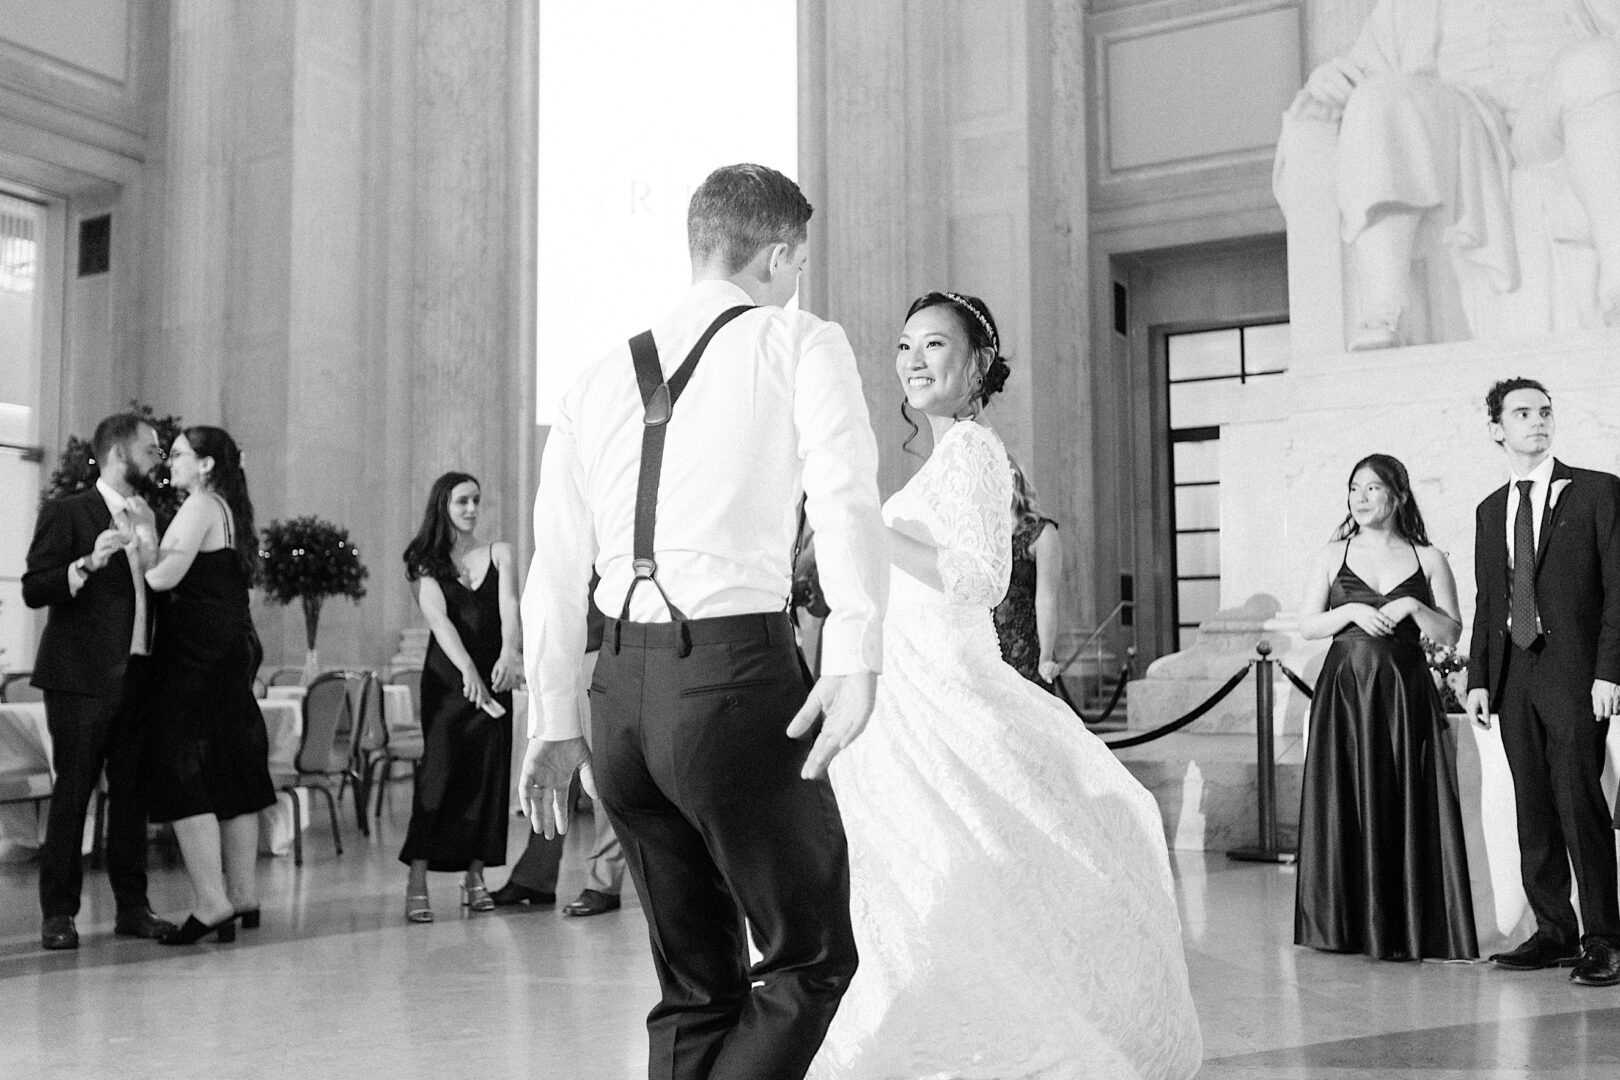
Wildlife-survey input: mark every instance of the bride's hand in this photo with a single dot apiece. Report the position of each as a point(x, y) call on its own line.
point(847, 702)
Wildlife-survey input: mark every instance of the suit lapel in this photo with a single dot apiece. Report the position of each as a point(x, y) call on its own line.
point(1496, 524)
point(96, 507)
point(1549, 519)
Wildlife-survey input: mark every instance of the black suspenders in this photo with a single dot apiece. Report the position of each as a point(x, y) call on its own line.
point(658, 403)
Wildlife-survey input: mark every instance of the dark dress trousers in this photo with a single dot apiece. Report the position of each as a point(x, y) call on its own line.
point(702, 786)
point(93, 689)
point(1542, 694)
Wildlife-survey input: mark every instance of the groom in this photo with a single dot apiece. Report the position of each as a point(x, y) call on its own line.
point(1545, 656)
point(697, 700)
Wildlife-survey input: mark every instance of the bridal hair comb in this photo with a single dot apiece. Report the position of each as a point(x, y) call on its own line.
point(962, 302)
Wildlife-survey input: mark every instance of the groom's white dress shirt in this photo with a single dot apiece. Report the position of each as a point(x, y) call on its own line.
point(774, 409)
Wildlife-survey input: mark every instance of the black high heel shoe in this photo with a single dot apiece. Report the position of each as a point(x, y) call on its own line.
point(249, 918)
point(195, 930)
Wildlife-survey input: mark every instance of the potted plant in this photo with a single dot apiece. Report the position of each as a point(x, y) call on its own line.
point(308, 559)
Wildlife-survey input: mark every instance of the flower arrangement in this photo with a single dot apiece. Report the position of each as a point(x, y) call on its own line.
point(1446, 664)
point(76, 468)
point(308, 559)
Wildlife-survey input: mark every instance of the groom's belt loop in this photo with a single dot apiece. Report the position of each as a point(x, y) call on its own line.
point(658, 398)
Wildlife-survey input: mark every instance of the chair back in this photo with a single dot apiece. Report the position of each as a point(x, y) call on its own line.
point(371, 734)
point(15, 687)
point(331, 708)
point(286, 676)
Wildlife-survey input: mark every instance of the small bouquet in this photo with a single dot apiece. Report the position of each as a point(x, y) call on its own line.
point(1449, 667)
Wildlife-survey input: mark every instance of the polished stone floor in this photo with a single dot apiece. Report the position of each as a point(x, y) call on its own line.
point(336, 985)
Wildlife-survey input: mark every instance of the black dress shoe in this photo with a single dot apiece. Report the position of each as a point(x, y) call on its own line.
point(512, 893)
point(1539, 952)
point(591, 902)
point(58, 932)
point(1599, 966)
point(195, 930)
point(141, 923)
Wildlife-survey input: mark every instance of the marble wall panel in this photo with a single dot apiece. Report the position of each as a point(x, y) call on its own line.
point(864, 227)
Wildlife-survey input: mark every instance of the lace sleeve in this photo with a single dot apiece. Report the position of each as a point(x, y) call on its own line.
point(968, 488)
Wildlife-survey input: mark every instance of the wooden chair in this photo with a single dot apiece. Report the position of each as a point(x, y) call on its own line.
point(326, 751)
point(397, 745)
point(15, 687)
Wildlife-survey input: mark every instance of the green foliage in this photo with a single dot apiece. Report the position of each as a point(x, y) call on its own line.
point(76, 470)
point(307, 558)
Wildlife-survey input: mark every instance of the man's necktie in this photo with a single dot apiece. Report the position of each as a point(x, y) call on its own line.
point(1524, 571)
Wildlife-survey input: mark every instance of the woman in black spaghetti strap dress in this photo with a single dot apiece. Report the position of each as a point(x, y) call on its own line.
point(1382, 867)
point(1026, 618)
point(468, 593)
point(208, 756)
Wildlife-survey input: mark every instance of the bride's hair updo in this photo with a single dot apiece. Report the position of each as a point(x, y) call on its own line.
point(980, 326)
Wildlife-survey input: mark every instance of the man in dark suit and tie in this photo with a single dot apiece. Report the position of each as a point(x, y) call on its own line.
point(1545, 656)
point(91, 665)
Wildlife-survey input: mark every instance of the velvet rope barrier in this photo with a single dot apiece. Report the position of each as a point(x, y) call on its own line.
point(1182, 721)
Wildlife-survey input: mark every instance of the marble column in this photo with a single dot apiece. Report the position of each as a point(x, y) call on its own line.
point(337, 267)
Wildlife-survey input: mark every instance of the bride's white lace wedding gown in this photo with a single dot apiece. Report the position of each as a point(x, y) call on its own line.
point(1010, 883)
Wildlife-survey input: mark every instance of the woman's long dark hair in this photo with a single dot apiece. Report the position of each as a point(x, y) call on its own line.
point(428, 553)
point(229, 482)
point(1026, 502)
point(980, 327)
point(1408, 519)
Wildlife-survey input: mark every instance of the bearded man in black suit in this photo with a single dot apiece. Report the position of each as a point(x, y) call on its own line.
point(1545, 656)
point(84, 565)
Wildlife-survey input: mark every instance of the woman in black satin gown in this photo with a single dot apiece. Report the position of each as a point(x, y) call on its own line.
point(467, 591)
point(1382, 867)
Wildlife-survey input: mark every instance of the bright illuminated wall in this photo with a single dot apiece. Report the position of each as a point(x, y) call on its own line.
point(639, 101)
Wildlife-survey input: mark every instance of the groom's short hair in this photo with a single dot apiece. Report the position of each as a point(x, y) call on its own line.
point(1498, 394)
point(739, 209)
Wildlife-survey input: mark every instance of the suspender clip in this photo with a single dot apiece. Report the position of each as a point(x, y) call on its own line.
point(646, 569)
point(659, 407)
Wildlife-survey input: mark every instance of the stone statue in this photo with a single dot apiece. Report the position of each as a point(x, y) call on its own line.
point(1457, 117)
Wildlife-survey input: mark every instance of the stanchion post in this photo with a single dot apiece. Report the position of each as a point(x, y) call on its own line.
point(1265, 763)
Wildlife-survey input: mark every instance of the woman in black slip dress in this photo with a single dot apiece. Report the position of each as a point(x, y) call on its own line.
point(207, 754)
point(1382, 866)
point(468, 594)
point(1026, 618)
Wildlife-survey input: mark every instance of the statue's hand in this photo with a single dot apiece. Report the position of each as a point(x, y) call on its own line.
point(1331, 84)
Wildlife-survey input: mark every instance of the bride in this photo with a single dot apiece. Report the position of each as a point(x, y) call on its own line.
point(1010, 886)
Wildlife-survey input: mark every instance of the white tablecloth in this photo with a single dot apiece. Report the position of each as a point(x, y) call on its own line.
point(284, 725)
point(25, 745)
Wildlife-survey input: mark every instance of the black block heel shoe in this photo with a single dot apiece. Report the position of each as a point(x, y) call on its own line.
point(249, 918)
point(195, 930)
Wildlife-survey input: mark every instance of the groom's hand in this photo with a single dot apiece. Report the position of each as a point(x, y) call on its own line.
point(846, 700)
point(548, 772)
point(1604, 695)
point(1478, 707)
